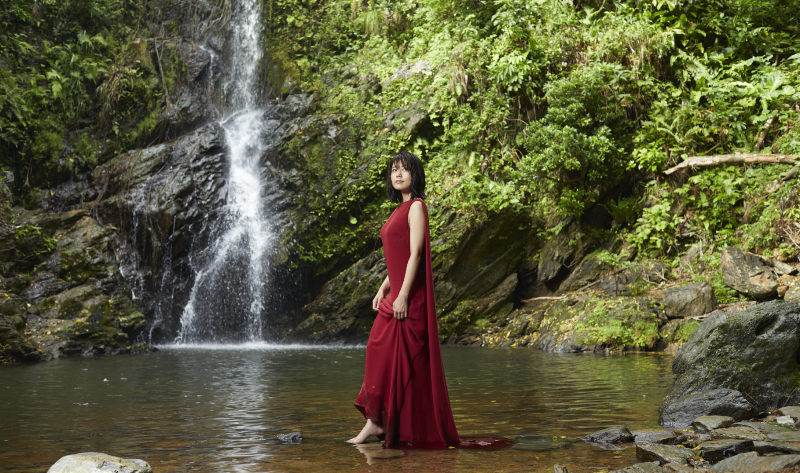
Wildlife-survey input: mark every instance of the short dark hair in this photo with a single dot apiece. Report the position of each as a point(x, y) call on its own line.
point(411, 162)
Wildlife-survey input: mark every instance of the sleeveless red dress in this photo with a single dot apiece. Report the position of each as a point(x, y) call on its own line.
point(404, 389)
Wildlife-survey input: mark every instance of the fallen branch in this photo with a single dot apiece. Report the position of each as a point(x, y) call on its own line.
point(763, 134)
point(739, 158)
point(543, 299)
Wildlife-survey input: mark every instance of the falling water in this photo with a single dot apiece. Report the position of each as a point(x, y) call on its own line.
point(226, 302)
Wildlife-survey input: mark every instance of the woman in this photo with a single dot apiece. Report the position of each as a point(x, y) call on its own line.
point(404, 394)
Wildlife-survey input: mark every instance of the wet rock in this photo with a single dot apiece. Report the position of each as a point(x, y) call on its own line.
point(741, 433)
point(752, 463)
point(679, 413)
point(733, 352)
point(717, 450)
point(664, 453)
point(652, 436)
point(748, 274)
point(779, 447)
point(648, 467)
point(692, 300)
point(708, 423)
point(98, 463)
point(618, 434)
point(292, 437)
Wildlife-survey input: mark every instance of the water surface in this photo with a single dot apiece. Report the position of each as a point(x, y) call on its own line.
point(219, 409)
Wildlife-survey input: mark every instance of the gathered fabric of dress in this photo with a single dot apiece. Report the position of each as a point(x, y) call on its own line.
point(404, 388)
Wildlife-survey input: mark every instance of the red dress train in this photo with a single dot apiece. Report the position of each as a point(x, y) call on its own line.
point(404, 389)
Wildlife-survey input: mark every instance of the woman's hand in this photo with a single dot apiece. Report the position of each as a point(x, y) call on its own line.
point(400, 306)
point(376, 302)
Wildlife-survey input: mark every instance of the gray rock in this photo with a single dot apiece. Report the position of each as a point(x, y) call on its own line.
point(767, 447)
point(652, 436)
point(560, 469)
point(559, 251)
point(649, 272)
point(589, 270)
point(680, 413)
point(691, 300)
point(619, 434)
point(409, 70)
point(748, 274)
point(792, 294)
point(98, 463)
point(783, 268)
point(764, 427)
point(692, 254)
point(664, 453)
point(791, 411)
point(786, 435)
point(292, 437)
point(752, 463)
point(675, 468)
point(741, 433)
point(785, 420)
point(709, 423)
point(717, 450)
point(730, 354)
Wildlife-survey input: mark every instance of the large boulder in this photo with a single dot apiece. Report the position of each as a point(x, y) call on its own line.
point(98, 463)
point(737, 360)
point(716, 402)
point(692, 300)
point(748, 274)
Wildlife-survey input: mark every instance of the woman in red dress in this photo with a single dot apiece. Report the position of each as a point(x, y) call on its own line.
point(404, 394)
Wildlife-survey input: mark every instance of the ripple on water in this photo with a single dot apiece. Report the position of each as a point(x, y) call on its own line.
point(213, 408)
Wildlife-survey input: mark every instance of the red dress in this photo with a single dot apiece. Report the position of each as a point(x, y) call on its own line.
point(404, 389)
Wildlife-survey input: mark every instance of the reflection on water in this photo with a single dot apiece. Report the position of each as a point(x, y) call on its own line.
point(220, 409)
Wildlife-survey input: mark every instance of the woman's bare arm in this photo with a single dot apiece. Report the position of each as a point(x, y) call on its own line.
point(416, 222)
point(376, 302)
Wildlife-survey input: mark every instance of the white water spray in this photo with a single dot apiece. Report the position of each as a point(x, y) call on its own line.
point(226, 302)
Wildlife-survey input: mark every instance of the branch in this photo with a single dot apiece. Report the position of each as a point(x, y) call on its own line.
point(739, 158)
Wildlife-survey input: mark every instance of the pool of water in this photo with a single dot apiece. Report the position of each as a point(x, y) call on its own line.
point(220, 409)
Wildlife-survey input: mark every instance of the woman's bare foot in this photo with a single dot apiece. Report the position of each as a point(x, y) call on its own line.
point(370, 429)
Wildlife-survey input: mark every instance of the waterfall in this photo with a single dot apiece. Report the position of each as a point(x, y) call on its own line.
point(226, 302)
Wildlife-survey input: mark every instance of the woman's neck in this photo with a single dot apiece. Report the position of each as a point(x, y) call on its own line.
point(406, 196)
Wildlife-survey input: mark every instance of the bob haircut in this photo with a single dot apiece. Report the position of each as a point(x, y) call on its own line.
point(412, 163)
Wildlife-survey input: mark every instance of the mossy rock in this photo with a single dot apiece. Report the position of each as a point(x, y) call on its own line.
point(754, 352)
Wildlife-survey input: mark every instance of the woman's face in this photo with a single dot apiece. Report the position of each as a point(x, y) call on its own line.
point(401, 178)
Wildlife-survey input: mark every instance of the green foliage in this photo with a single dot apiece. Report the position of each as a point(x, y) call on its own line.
point(61, 63)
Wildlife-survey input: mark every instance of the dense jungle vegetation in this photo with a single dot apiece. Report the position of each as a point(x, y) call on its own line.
point(552, 109)
point(543, 109)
